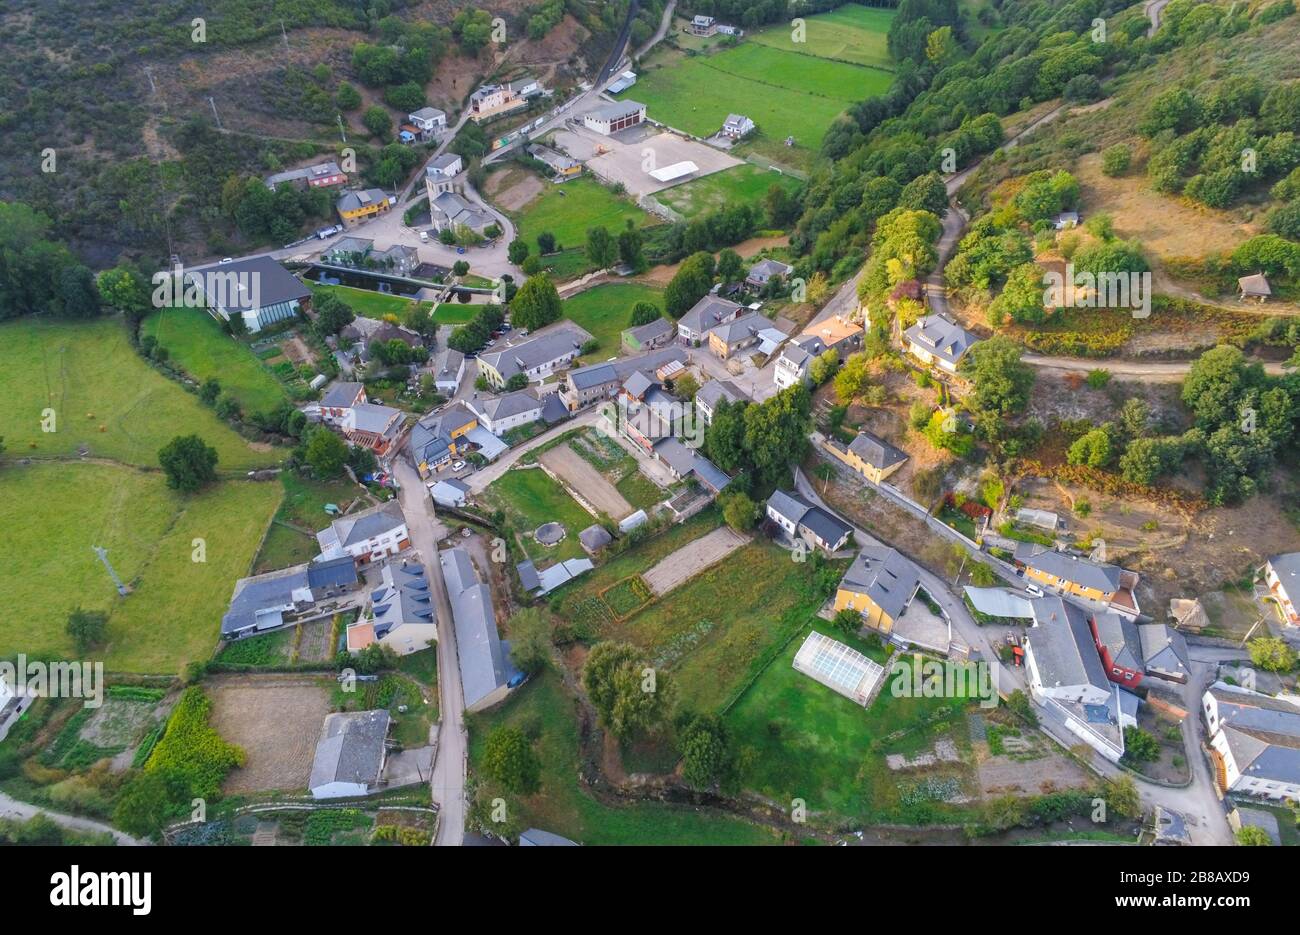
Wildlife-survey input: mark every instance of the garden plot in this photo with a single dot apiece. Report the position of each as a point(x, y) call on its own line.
point(691, 559)
point(576, 472)
point(277, 720)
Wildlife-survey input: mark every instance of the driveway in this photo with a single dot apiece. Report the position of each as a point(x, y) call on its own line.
point(479, 480)
point(449, 735)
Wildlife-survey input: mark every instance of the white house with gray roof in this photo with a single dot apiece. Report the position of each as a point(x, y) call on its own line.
point(350, 755)
point(448, 211)
point(611, 118)
point(704, 315)
point(367, 535)
point(761, 273)
point(1254, 742)
point(711, 394)
point(486, 673)
point(499, 414)
point(939, 341)
point(802, 520)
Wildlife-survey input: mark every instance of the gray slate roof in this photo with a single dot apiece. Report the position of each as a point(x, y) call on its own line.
point(483, 659)
point(715, 391)
point(275, 284)
point(1120, 637)
point(366, 524)
point(615, 110)
point(1164, 648)
point(707, 313)
point(875, 451)
point(741, 329)
point(537, 351)
point(1263, 733)
point(941, 337)
point(825, 525)
point(1081, 571)
point(884, 575)
point(402, 597)
point(650, 330)
point(1287, 569)
point(341, 395)
point(1062, 645)
point(351, 749)
point(595, 537)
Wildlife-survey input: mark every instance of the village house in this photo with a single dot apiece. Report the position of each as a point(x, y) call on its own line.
point(321, 175)
point(493, 100)
point(879, 585)
point(707, 313)
point(726, 339)
point(500, 414)
point(938, 341)
point(256, 289)
point(1079, 577)
point(611, 118)
point(761, 273)
point(350, 754)
point(371, 426)
point(338, 401)
point(367, 535)
point(266, 602)
point(486, 673)
point(450, 212)
point(648, 412)
point(448, 371)
point(355, 207)
point(737, 126)
point(440, 173)
point(686, 463)
point(1254, 742)
point(349, 251)
point(714, 392)
point(441, 436)
point(802, 520)
point(869, 455)
point(837, 334)
point(647, 337)
point(1282, 575)
point(794, 363)
point(536, 357)
point(428, 121)
point(561, 166)
point(702, 26)
point(400, 614)
point(596, 382)
point(1066, 673)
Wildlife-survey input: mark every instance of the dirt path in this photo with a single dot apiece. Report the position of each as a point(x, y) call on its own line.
point(577, 473)
point(691, 559)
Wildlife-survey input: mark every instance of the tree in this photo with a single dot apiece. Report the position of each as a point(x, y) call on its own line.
point(516, 382)
point(1123, 798)
point(1002, 384)
point(692, 282)
point(325, 452)
point(77, 292)
point(702, 739)
point(517, 252)
point(332, 314)
point(731, 267)
point(509, 759)
point(630, 697)
point(1271, 654)
point(1116, 159)
point(1140, 746)
point(776, 434)
point(823, 366)
point(545, 243)
point(210, 390)
point(87, 628)
point(848, 620)
point(1092, 449)
point(125, 289)
point(740, 512)
point(645, 312)
point(530, 640)
point(188, 462)
point(377, 121)
point(853, 379)
point(536, 304)
point(630, 248)
point(1253, 836)
point(347, 97)
point(601, 248)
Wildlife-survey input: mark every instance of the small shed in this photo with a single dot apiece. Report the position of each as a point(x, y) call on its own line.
point(1255, 287)
point(594, 538)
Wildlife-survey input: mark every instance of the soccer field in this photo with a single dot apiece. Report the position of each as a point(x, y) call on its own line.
point(745, 184)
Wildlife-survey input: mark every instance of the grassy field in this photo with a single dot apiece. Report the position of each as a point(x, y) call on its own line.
point(369, 304)
point(544, 708)
point(197, 345)
point(851, 33)
point(172, 616)
point(88, 373)
point(801, 739)
point(606, 310)
point(303, 507)
point(747, 184)
point(786, 88)
point(529, 499)
point(454, 313)
point(568, 210)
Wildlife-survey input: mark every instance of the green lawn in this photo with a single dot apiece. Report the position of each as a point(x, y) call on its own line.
point(800, 739)
point(606, 310)
point(786, 88)
point(568, 210)
point(454, 313)
point(173, 614)
point(747, 184)
point(530, 498)
point(88, 373)
point(303, 507)
point(545, 709)
point(851, 33)
point(198, 346)
point(369, 304)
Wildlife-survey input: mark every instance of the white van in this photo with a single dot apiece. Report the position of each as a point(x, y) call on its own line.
point(424, 236)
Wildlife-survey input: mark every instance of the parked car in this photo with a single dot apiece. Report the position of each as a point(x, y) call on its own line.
point(460, 249)
point(458, 465)
point(1034, 589)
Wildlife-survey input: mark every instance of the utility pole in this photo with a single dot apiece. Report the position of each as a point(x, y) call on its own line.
point(103, 557)
point(343, 131)
point(284, 35)
point(215, 115)
point(148, 73)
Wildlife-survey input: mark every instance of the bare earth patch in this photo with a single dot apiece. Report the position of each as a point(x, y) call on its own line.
point(691, 559)
point(522, 192)
point(578, 473)
point(277, 720)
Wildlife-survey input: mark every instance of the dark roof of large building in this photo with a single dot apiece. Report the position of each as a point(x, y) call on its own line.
point(351, 749)
point(483, 660)
point(1062, 644)
point(707, 313)
point(1263, 733)
point(272, 283)
point(1119, 636)
point(1072, 568)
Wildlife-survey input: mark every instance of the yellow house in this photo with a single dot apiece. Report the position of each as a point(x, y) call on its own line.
point(869, 455)
point(1081, 577)
point(879, 585)
point(437, 438)
point(357, 206)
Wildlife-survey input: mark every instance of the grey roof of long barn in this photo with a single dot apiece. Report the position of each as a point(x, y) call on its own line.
point(484, 663)
point(1062, 645)
point(1081, 571)
point(275, 285)
point(351, 749)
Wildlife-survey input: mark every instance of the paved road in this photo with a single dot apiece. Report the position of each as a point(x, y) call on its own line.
point(12, 808)
point(448, 779)
point(1153, 9)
